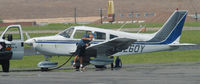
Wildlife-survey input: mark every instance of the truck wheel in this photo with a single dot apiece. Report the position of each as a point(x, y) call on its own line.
point(6, 66)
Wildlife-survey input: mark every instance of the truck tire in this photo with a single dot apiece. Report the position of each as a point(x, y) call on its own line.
point(5, 65)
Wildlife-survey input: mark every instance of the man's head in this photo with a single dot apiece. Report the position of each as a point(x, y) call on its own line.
point(91, 35)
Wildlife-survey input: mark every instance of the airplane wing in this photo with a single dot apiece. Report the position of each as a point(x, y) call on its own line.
point(109, 48)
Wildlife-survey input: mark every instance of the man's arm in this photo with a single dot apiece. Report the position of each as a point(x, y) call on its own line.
point(85, 38)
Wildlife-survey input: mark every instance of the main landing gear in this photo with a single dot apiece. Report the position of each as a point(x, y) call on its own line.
point(117, 64)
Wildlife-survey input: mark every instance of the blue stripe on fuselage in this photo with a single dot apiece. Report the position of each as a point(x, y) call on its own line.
point(65, 42)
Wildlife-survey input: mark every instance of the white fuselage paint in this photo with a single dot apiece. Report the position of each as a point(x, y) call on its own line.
point(50, 49)
point(56, 45)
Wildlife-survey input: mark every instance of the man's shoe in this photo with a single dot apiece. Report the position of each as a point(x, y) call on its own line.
point(74, 65)
point(82, 68)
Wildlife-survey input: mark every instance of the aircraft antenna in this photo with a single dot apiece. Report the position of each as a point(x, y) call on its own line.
point(122, 26)
point(142, 28)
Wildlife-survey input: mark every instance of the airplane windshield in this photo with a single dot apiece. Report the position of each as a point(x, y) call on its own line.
point(67, 33)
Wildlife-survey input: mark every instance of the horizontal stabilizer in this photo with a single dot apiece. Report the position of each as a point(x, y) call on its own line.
point(183, 44)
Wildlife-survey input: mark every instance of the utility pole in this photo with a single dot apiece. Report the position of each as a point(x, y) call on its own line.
point(101, 15)
point(74, 15)
point(132, 17)
point(196, 16)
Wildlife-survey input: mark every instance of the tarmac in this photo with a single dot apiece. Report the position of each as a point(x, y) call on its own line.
point(165, 73)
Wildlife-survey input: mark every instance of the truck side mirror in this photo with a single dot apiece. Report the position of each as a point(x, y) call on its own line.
point(10, 37)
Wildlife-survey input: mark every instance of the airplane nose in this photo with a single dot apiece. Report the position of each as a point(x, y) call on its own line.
point(30, 42)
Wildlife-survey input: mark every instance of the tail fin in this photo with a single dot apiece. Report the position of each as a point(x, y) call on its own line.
point(171, 30)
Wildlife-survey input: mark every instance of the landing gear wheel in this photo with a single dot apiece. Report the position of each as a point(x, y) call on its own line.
point(5, 65)
point(44, 69)
point(100, 66)
point(77, 68)
point(118, 63)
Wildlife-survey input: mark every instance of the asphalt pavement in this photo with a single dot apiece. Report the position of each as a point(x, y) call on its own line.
point(167, 73)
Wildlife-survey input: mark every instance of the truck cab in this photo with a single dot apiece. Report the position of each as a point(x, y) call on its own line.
point(11, 46)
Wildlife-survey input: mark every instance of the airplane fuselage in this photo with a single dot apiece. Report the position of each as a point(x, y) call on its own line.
point(66, 47)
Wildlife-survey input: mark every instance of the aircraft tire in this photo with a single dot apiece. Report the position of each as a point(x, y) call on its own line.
point(5, 65)
point(44, 69)
point(100, 66)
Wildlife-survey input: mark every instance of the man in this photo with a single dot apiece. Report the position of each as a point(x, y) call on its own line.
point(80, 51)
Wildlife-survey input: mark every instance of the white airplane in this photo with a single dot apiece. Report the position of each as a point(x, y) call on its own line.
point(110, 42)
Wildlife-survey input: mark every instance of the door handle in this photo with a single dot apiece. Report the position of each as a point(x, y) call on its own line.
point(22, 44)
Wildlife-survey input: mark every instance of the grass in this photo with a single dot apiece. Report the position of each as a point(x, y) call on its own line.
point(190, 36)
point(155, 57)
point(32, 61)
point(163, 57)
point(106, 26)
point(192, 24)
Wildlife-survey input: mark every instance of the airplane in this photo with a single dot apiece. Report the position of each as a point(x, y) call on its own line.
point(108, 43)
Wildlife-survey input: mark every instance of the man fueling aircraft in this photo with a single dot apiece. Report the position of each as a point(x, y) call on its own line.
point(110, 42)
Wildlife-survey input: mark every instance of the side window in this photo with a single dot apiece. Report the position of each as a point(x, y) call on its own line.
point(15, 33)
point(79, 33)
point(112, 36)
point(100, 36)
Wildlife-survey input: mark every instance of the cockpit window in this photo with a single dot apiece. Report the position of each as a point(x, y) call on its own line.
point(67, 33)
point(100, 36)
point(112, 36)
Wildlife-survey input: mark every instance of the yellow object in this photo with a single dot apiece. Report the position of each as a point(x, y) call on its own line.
point(144, 29)
point(110, 10)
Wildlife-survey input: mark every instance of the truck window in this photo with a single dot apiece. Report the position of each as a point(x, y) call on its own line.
point(15, 33)
point(100, 36)
point(79, 33)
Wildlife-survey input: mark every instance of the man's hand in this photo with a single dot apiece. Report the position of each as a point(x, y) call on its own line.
point(86, 45)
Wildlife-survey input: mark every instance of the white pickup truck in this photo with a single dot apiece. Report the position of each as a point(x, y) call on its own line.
point(11, 46)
